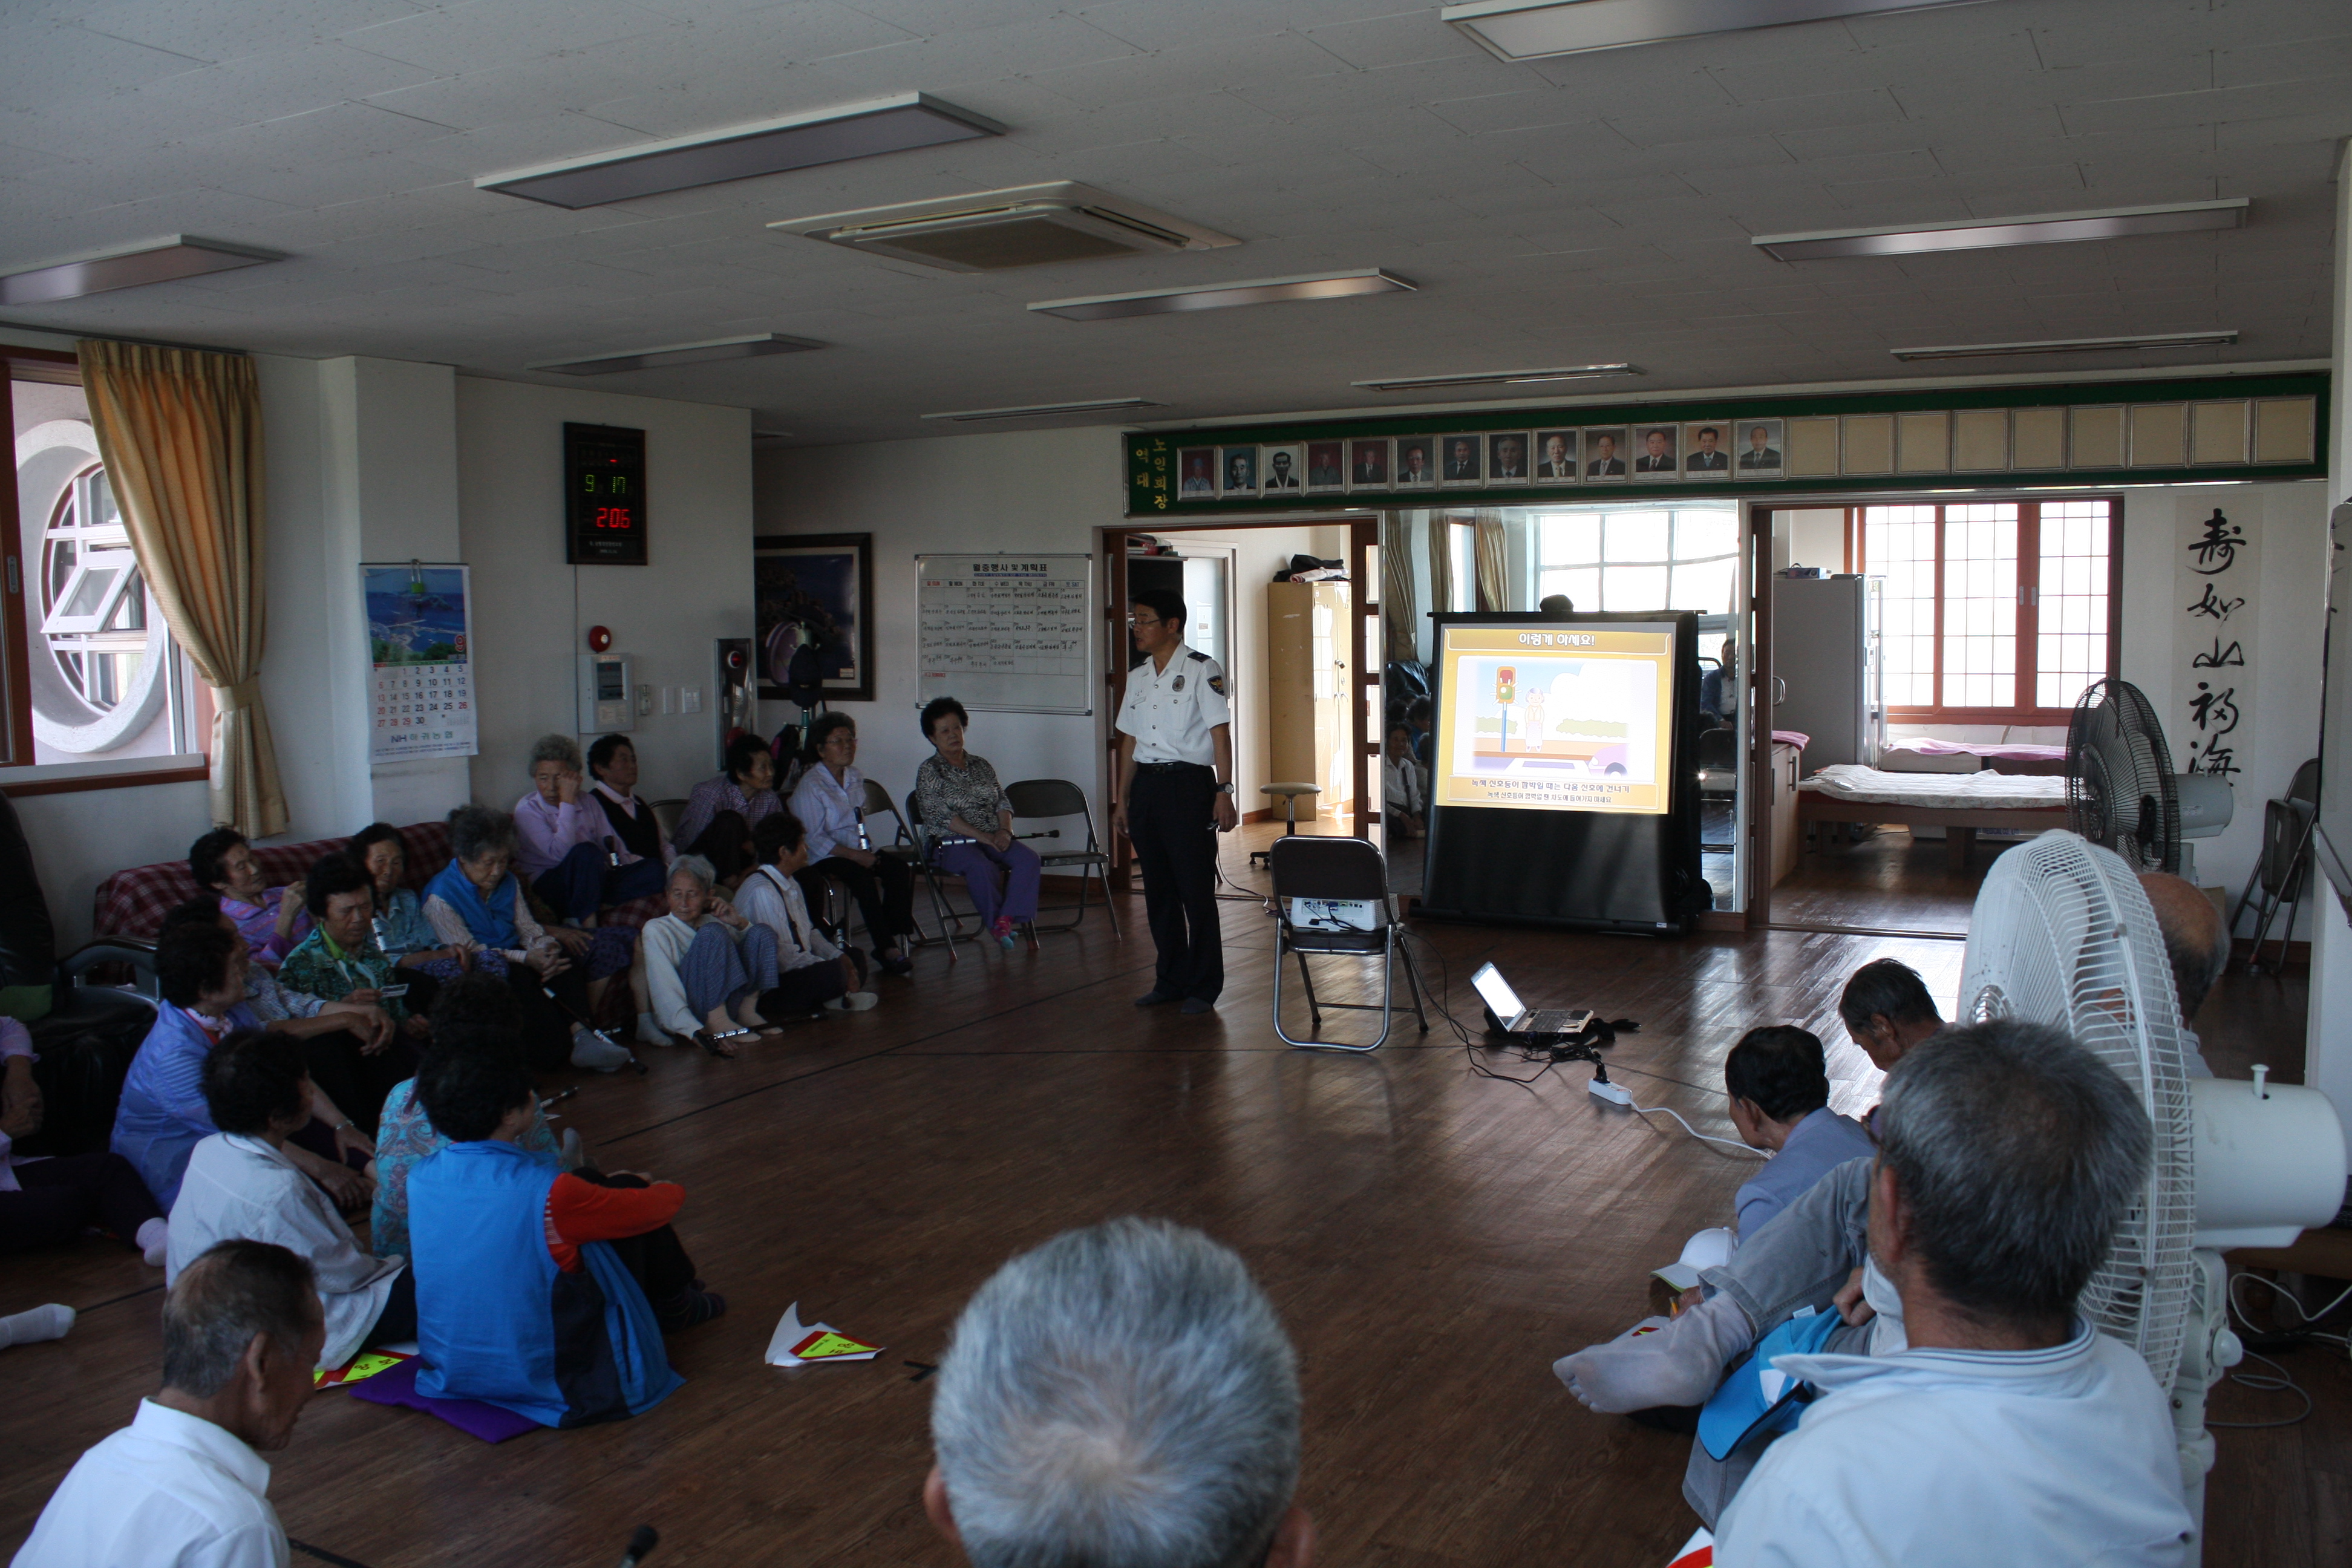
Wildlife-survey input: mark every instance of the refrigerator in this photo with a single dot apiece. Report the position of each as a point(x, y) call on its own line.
point(1822, 657)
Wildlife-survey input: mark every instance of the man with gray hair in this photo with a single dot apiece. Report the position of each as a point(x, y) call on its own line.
point(185, 1483)
point(2004, 1427)
point(1122, 1397)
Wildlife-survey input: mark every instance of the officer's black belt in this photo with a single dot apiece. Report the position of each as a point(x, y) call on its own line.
point(1168, 767)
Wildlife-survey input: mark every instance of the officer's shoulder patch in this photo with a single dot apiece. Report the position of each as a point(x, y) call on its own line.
point(1217, 683)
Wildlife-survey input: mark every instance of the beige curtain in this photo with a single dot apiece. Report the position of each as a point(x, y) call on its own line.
point(179, 432)
point(1493, 566)
point(1441, 561)
point(1400, 616)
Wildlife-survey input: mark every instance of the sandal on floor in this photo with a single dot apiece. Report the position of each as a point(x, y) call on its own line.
point(720, 1044)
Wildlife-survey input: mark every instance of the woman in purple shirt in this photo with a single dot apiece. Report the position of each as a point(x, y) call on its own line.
point(272, 922)
point(720, 812)
point(565, 843)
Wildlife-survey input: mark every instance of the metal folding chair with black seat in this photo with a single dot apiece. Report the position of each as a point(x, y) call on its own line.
point(2282, 873)
point(1040, 800)
point(926, 843)
point(1718, 771)
point(902, 847)
point(1331, 899)
point(668, 814)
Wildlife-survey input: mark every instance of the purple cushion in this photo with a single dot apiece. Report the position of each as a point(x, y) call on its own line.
point(490, 1423)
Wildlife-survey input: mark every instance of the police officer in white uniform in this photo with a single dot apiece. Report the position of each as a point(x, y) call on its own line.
point(1175, 786)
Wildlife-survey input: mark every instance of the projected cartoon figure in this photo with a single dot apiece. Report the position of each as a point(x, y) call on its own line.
point(1575, 716)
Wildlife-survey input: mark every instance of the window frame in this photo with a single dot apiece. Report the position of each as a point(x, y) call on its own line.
point(1672, 507)
point(20, 772)
point(2029, 609)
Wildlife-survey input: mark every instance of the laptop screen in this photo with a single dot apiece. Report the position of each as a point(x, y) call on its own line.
point(1496, 993)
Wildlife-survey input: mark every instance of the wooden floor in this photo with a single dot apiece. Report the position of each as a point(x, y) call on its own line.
point(1432, 1238)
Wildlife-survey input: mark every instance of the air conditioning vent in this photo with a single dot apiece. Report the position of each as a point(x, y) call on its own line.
point(1030, 226)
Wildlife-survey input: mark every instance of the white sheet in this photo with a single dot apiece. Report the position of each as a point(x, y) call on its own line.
point(1949, 792)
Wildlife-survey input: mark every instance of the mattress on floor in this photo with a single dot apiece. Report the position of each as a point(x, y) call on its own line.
point(1940, 792)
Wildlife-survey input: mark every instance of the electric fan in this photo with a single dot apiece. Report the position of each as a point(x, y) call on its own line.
point(2061, 933)
point(2121, 792)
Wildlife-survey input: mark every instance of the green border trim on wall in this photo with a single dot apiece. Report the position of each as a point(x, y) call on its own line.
point(1151, 454)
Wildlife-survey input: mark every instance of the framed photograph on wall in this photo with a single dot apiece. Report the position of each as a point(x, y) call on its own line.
point(1555, 457)
point(1196, 474)
point(1416, 462)
point(814, 590)
point(1758, 445)
point(1706, 449)
point(1324, 466)
point(1367, 464)
point(1604, 453)
point(1507, 458)
point(1460, 458)
point(1238, 474)
point(1281, 470)
point(1654, 454)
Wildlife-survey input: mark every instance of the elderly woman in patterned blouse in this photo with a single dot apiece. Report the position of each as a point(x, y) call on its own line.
point(965, 813)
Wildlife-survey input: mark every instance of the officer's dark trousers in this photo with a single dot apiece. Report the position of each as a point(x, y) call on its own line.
point(1172, 820)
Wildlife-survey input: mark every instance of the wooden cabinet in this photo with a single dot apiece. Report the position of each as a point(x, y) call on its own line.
point(1786, 844)
point(1306, 656)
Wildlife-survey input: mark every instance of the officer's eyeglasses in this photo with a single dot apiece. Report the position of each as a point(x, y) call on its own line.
point(1143, 623)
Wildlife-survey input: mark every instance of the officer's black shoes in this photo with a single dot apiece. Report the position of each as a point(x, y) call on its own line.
point(1197, 1005)
point(1153, 998)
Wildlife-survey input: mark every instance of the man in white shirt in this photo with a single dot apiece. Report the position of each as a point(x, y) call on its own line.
point(1175, 795)
point(184, 1483)
point(2003, 1429)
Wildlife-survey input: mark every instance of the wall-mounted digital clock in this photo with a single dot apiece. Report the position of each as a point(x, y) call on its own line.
point(604, 483)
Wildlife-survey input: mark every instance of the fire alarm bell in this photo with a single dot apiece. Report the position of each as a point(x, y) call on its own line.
point(600, 638)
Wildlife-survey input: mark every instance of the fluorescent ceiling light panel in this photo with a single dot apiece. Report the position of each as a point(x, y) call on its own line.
point(1021, 226)
point(2072, 345)
point(1217, 296)
point(705, 353)
point(1534, 29)
point(2039, 229)
point(744, 152)
point(1499, 377)
point(156, 261)
point(1044, 410)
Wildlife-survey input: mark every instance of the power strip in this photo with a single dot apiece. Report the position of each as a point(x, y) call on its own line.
point(1614, 1093)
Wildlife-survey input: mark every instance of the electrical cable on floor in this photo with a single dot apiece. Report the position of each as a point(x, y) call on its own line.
point(2282, 1383)
point(1704, 1138)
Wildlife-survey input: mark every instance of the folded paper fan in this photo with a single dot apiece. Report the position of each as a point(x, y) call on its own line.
point(795, 1343)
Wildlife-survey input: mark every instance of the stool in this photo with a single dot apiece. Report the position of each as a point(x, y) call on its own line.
point(1289, 794)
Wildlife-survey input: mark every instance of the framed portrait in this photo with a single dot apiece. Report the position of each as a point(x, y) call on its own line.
point(1326, 469)
point(1196, 473)
point(1416, 462)
point(1281, 470)
point(1604, 454)
point(1507, 458)
point(1237, 471)
point(1555, 457)
point(1368, 464)
point(1656, 452)
point(1707, 450)
point(1460, 459)
point(1758, 445)
point(814, 590)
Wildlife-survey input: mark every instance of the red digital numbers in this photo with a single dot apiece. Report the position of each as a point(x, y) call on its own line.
point(615, 517)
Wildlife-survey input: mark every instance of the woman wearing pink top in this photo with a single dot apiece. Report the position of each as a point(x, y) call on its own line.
point(566, 845)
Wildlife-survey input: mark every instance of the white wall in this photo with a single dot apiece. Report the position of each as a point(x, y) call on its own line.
point(2327, 1038)
point(531, 611)
point(1044, 491)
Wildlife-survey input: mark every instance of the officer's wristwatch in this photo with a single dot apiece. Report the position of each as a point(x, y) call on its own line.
point(1224, 789)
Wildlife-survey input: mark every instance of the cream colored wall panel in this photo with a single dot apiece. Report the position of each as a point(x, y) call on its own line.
point(1923, 443)
point(1870, 443)
point(2094, 437)
point(2282, 429)
point(1812, 447)
point(2040, 438)
point(1980, 440)
point(2217, 432)
point(2160, 434)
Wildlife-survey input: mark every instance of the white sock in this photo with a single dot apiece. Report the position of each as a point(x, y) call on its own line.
point(154, 1236)
point(650, 1031)
point(49, 1323)
point(1676, 1362)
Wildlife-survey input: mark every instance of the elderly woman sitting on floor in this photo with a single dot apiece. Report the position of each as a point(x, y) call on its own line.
point(340, 961)
point(406, 936)
point(708, 968)
point(271, 920)
point(476, 903)
point(566, 846)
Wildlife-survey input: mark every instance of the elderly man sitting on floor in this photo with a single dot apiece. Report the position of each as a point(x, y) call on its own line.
point(1122, 1394)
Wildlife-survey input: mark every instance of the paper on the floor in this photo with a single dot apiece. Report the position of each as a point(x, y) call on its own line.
point(1698, 1551)
point(796, 1343)
point(365, 1364)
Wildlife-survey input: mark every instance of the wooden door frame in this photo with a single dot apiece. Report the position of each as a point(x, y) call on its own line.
point(1363, 536)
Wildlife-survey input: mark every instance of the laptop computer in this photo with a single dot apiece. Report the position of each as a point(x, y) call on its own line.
point(1505, 1004)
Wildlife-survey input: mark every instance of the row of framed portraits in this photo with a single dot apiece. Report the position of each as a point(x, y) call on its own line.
point(1700, 450)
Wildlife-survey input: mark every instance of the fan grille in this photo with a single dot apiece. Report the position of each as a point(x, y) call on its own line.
point(2061, 933)
point(2120, 792)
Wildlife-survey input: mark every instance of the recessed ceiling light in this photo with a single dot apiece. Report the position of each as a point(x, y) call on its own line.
point(1042, 410)
point(1217, 296)
point(1021, 226)
point(1499, 377)
point(1533, 29)
point(1978, 233)
point(155, 262)
point(705, 353)
point(742, 151)
point(2072, 345)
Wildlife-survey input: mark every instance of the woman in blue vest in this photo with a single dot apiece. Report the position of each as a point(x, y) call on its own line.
point(532, 1283)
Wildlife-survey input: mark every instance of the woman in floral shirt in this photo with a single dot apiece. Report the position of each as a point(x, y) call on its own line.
point(965, 814)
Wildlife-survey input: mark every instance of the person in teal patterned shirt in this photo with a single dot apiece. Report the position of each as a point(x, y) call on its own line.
point(340, 960)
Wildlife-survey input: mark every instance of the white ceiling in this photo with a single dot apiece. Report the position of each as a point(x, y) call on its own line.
point(1592, 207)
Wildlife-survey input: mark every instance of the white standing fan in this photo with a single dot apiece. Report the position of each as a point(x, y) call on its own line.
point(2061, 933)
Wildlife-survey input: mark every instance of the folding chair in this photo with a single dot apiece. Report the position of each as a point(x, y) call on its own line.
point(1037, 799)
point(2283, 870)
point(1324, 889)
point(903, 847)
point(668, 814)
point(927, 842)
